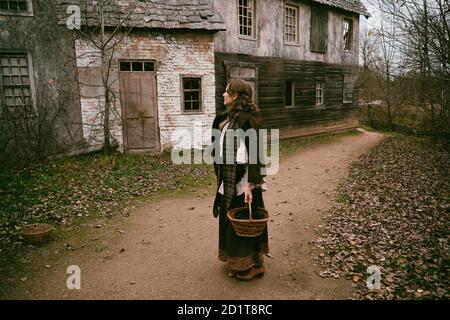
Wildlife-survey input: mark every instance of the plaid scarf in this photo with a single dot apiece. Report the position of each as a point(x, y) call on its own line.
point(230, 174)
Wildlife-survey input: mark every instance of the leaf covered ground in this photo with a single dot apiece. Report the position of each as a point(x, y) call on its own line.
point(392, 212)
point(61, 191)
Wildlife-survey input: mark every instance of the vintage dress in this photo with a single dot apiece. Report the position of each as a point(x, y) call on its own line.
point(240, 253)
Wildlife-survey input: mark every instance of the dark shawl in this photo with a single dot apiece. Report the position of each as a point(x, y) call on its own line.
point(231, 174)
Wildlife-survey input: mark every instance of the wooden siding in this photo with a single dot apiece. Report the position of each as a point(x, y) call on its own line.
point(270, 29)
point(273, 73)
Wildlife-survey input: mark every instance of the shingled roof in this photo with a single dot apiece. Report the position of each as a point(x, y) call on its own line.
point(349, 5)
point(166, 14)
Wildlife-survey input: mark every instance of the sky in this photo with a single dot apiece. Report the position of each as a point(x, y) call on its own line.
point(372, 22)
point(375, 16)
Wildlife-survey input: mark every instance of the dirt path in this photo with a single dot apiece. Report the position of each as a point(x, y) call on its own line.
point(168, 249)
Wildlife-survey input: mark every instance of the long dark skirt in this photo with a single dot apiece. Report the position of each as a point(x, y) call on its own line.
point(241, 253)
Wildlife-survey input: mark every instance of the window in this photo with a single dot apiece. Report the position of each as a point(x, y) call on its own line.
point(192, 94)
point(246, 18)
point(291, 24)
point(320, 93)
point(319, 29)
point(137, 66)
point(15, 7)
point(289, 93)
point(348, 32)
point(348, 85)
point(245, 71)
point(15, 82)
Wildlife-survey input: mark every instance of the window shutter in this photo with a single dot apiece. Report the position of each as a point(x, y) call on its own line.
point(319, 29)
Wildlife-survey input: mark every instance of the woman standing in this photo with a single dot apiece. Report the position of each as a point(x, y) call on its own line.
point(239, 181)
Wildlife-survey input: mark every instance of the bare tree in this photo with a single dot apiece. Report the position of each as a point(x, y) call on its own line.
point(422, 42)
point(369, 49)
point(32, 131)
point(105, 28)
point(380, 69)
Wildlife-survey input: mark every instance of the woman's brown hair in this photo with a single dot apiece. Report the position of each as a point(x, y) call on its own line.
point(244, 93)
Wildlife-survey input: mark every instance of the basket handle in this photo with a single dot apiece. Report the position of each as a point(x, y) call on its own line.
point(250, 209)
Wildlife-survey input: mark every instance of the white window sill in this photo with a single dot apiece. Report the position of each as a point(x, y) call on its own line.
point(292, 44)
point(248, 38)
point(193, 112)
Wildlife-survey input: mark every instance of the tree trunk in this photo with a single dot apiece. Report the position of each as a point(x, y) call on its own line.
point(105, 79)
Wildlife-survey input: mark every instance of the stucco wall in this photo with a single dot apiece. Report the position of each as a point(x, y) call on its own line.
point(53, 71)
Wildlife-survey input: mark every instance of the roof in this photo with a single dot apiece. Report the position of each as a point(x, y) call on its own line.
point(166, 14)
point(349, 5)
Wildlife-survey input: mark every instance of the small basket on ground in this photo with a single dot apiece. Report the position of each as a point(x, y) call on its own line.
point(36, 233)
point(248, 227)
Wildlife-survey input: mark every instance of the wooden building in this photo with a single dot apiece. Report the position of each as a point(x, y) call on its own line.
point(300, 56)
point(170, 69)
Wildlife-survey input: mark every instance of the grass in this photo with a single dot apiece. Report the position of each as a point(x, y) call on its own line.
point(342, 198)
point(60, 190)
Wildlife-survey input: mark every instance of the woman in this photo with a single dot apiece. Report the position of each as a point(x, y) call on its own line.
point(239, 182)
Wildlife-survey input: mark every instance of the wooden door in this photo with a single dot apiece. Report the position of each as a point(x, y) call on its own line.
point(139, 111)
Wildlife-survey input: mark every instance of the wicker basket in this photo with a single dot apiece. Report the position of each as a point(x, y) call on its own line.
point(248, 227)
point(36, 233)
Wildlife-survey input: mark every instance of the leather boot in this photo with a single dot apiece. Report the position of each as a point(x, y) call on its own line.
point(251, 273)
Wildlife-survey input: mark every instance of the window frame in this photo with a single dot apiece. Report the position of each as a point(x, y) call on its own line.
point(32, 84)
point(296, 7)
point(256, 66)
point(253, 36)
point(200, 95)
point(28, 13)
point(351, 30)
point(293, 86)
point(120, 61)
point(322, 104)
point(346, 88)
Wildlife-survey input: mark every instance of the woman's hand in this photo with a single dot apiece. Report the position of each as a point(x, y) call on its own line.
point(248, 193)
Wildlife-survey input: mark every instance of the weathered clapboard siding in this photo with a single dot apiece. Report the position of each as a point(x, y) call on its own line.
point(317, 55)
point(273, 72)
point(269, 37)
